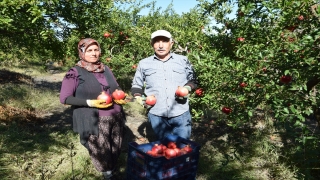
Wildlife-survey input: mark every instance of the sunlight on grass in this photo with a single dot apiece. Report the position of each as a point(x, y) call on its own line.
point(29, 71)
point(24, 97)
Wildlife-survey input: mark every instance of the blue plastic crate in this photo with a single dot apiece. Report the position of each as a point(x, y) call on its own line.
point(142, 166)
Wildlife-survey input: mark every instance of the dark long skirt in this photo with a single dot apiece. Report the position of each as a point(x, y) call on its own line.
point(105, 148)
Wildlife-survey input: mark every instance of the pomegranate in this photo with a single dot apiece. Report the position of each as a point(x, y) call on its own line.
point(170, 153)
point(183, 152)
point(226, 110)
point(187, 148)
point(182, 91)
point(171, 145)
point(118, 94)
point(286, 79)
point(163, 147)
point(151, 100)
point(199, 92)
point(105, 96)
point(157, 149)
point(178, 151)
point(243, 84)
point(152, 153)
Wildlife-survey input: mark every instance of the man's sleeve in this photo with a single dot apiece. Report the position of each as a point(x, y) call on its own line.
point(137, 82)
point(191, 76)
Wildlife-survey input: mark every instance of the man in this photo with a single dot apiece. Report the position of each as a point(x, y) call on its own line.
point(160, 75)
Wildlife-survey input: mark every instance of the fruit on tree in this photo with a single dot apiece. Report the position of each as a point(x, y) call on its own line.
point(301, 18)
point(226, 110)
point(240, 13)
point(182, 91)
point(243, 84)
point(134, 66)
point(240, 39)
point(286, 79)
point(105, 96)
point(106, 35)
point(291, 28)
point(118, 94)
point(264, 69)
point(199, 92)
point(151, 100)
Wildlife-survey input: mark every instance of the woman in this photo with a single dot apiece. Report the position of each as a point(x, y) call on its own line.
point(100, 125)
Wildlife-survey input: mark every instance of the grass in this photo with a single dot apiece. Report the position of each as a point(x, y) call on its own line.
point(36, 150)
point(250, 156)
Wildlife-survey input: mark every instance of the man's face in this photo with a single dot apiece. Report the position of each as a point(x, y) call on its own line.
point(162, 46)
point(92, 53)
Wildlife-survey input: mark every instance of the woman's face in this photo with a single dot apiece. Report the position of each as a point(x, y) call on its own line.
point(92, 53)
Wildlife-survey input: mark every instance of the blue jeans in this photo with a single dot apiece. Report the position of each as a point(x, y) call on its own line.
point(164, 126)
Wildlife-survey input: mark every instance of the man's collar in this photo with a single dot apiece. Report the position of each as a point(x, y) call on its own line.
point(155, 57)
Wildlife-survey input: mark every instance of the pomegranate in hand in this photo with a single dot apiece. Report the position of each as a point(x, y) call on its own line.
point(151, 100)
point(105, 96)
point(182, 91)
point(118, 94)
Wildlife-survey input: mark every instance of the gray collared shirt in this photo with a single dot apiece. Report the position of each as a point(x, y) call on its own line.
point(161, 79)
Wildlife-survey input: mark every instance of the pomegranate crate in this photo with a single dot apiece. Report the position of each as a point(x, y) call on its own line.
point(141, 165)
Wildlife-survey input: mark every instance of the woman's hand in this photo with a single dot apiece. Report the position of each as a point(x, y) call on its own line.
point(121, 101)
point(98, 104)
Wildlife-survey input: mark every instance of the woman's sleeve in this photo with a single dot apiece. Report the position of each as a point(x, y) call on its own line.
point(68, 89)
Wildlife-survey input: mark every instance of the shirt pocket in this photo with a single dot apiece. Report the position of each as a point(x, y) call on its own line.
point(152, 77)
point(179, 75)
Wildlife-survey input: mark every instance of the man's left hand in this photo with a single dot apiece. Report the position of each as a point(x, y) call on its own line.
point(186, 96)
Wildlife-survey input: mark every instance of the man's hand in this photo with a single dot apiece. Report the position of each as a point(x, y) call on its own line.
point(98, 103)
point(189, 89)
point(141, 100)
point(186, 96)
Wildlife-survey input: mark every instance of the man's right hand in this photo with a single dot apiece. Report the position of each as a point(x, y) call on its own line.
point(141, 100)
point(98, 103)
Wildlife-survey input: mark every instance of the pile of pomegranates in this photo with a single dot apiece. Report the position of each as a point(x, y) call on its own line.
point(169, 151)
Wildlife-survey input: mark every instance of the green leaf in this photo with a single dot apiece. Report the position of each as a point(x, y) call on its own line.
point(286, 72)
point(293, 110)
